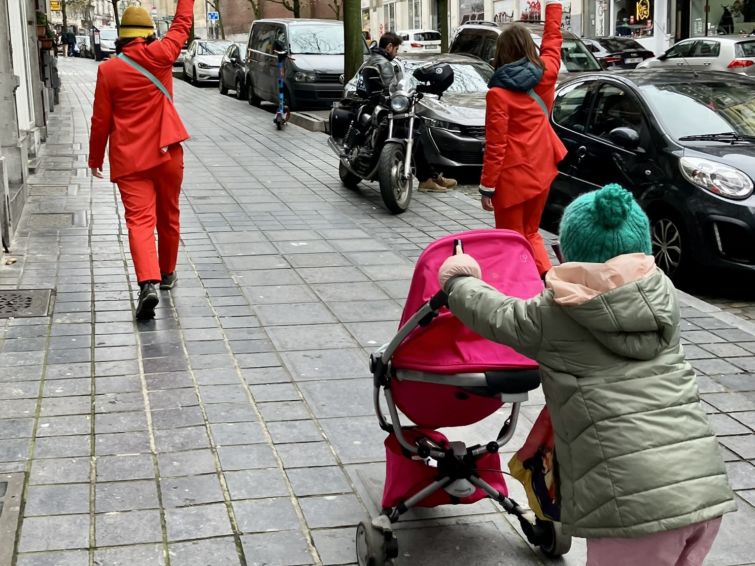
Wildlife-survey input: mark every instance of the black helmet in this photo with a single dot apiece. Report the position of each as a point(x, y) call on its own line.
point(437, 77)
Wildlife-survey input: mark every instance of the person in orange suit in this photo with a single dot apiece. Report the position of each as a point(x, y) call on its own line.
point(134, 111)
point(521, 149)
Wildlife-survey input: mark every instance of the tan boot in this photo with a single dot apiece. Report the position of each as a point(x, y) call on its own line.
point(443, 182)
point(430, 186)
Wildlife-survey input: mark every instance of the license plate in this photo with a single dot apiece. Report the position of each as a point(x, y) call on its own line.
point(632, 60)
point(430, 46)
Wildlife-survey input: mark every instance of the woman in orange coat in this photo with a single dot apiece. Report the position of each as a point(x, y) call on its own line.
point(521, 148)
point(133, 109)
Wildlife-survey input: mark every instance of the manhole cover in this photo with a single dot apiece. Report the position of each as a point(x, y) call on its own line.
point(25, 303)
point(11, 488)
point(51, 220)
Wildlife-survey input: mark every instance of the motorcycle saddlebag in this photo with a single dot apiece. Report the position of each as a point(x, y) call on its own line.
point(437, 77)
point(340, 118)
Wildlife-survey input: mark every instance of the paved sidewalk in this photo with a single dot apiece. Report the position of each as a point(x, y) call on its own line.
point(237, 428)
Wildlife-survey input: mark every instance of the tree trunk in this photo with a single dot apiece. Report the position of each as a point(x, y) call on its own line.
point(65, 15)
point(297, 8)
point(115, 15)
point(443, 21)
point(220, 25)
point(352, 31)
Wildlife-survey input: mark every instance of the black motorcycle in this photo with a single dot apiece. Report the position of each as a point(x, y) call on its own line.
point(374, 134)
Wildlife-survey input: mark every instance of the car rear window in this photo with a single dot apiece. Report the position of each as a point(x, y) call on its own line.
point(745, 49)
point(613, 44)
point(427, 36)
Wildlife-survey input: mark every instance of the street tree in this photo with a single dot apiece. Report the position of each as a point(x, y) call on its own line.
point(337, 7)
point(257, 8)
point(115, 15)
point(443, 20)
point(352, 31)
point(215, 5)
point(293, 6)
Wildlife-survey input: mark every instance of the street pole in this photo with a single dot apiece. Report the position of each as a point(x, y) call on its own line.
point(443, 21)
point(352, 31)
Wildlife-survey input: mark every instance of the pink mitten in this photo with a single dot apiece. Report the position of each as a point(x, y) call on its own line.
point(460, 264)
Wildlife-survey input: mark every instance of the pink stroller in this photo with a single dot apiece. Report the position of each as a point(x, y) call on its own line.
point(440, 374)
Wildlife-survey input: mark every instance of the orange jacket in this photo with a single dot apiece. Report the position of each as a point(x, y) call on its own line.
point(140, 122)
point(521, 149)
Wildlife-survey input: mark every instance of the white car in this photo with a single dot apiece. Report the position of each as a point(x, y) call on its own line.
point(202, 60)
point(107, 37)
point(734, 53)
point(419, 41)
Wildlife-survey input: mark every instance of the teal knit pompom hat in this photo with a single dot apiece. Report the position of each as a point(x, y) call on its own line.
point(604, 224)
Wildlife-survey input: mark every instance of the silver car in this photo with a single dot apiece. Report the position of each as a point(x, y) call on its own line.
point(717, 53)
point(202, 60)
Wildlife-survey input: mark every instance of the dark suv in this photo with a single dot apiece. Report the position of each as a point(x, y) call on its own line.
point(479, 39)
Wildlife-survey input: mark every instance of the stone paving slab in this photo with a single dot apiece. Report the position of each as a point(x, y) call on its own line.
point(237, 427)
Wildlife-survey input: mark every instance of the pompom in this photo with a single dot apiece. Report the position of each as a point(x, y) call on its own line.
point(612, 205)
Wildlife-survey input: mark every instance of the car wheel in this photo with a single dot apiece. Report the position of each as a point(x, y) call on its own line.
point(240, 91)
point(252, 98)
point(669, 244)
point(221, 87)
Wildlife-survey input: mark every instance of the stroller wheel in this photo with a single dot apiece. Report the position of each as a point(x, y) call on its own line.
point(375, 547)
point(556, 543)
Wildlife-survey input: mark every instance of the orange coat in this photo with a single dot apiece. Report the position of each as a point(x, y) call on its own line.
point(130, 111)
point(521, 149)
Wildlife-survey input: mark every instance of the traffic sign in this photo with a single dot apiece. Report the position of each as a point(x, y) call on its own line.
point(213, 16)
point(55, 5)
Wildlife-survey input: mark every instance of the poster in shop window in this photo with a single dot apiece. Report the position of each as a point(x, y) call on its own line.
point(503, 11)
point(531, 10)
point(471, 11)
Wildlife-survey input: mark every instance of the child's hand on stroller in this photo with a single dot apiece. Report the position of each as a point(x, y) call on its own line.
point(460, 264)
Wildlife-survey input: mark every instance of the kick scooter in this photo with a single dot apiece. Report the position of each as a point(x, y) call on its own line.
point(283, 113)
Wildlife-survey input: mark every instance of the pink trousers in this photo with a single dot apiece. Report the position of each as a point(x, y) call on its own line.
point(681, 547)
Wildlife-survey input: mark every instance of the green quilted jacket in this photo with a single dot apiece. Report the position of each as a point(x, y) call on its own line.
point(636, 453)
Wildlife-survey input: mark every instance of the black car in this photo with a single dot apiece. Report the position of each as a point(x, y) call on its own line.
point(618, 52)
point(454, 132)
point(479, 39)
point(233, 71)
point(683, 142)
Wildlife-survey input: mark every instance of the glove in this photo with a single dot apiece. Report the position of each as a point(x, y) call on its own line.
point(460, 264)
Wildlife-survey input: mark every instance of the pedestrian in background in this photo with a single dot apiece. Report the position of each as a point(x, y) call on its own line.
point(133, 110)
point(640, 472)
point(521, 148)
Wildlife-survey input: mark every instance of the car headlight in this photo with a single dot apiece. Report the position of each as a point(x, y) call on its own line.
point(450, 126)
point(203, 65)
point(716, 177)
point(399, 103)
point(304, 77)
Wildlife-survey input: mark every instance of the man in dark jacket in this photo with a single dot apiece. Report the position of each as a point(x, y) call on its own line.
point(381, 58)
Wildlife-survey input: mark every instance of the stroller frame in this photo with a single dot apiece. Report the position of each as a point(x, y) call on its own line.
point(376, 543)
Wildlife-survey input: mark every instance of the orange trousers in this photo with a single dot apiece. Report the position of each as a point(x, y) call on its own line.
point(150, 200)
point(525, 219)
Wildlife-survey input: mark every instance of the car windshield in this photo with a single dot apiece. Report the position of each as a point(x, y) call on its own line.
point(614, 44)
point(427, 36)
point(703, 107)
point(468, 77)
point(214, 48)
point(109, 34)
point(317, 40)
point(575, 55)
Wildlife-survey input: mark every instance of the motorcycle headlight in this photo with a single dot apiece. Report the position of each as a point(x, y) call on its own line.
point(203, 65)
point(716, 177)
point(399, 103)
point(304, 77)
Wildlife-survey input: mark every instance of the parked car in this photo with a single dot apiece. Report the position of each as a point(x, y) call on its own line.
point(179, 62)
point(683, 143)
point(479, 39)
point(454, 132)
point(202, 60)
point(618, 52)
point(312, 70)
point(106, 47)
point(233, 71)
point(718, 53)
point(419, 41)
point(84, 47)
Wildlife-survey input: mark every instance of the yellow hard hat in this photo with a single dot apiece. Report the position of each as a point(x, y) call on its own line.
point(136, 22)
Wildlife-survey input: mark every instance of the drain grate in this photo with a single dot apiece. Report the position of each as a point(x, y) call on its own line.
point(11, 489)
point(21, 303)
point(51, 220)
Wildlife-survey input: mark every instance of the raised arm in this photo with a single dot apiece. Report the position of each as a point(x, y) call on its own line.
point(491, 314)
point(496, 140)
point(550, 51)
point(169, 47)
point(102, 122)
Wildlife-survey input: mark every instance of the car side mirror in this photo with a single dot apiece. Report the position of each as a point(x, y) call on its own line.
point(626, 138)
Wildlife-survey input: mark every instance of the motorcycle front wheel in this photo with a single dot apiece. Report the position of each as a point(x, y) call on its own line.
point(394, 188)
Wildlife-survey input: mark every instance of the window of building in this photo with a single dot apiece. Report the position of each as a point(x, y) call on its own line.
point(389, 19)
point(415, 13)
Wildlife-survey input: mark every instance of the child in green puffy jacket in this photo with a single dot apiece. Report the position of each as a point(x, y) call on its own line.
point(640, 474)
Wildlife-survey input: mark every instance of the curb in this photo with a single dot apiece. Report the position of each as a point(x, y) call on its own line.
point(308, 122)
